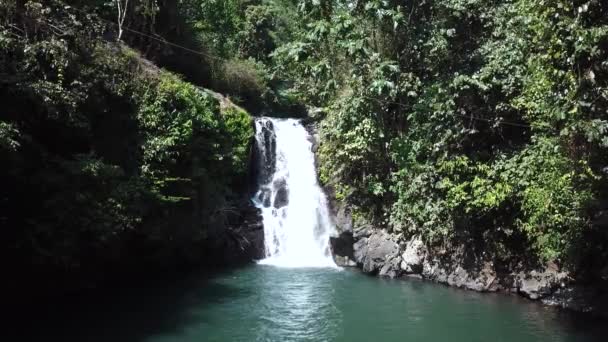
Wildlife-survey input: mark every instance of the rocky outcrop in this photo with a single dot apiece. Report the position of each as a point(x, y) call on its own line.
point(412, 259)
point(282, 193)
point(381, 253)
point(246, 233)
point(342, 244)
point(456, 274)
point(262, 160)
point(342, 249)
point(580, 298)
point(538, 284)
point(378, 253)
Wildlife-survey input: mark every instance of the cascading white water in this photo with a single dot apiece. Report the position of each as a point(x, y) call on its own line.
point(296, 219)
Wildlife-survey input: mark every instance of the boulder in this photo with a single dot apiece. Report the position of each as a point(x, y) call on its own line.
point(342, 249)
point(391, 268)
point(478, 276)
point(362, 232)
point(375, 251)
point(481, 281)
point(413, 256)
point(343, 219)
point(281, 197)
point(360, 250)
point(539, 284)
point(343, 261)
point(432, 270)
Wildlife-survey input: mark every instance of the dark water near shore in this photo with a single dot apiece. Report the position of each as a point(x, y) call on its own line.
point(265, 303)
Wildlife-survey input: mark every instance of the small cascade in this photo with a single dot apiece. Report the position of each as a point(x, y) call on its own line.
point(294, 209)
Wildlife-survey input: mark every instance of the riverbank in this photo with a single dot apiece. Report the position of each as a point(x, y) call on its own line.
point(378, 252)
point(468, 265)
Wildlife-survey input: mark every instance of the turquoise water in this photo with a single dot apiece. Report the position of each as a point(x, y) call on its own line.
point(265, 303)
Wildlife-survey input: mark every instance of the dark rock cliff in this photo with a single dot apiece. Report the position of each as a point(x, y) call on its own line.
point(244, 238)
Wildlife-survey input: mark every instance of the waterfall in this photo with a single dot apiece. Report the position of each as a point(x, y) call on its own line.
point(294, 209)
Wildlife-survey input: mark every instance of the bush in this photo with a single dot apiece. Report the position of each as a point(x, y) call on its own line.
point(244, 80)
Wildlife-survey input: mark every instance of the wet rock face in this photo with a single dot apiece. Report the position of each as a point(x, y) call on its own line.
point(480, 278)
point(342, 244)
point(344, 261)
point(342, 249)
point(539, 284)
point(413, 257)
point(384, 254)
point(265, 154)
point(376, 251)
point(264, 196)
point(253, 229)
point(281, 198)
point(391, 268)
point(343, 219)
point(580, 298)
point(243, 238)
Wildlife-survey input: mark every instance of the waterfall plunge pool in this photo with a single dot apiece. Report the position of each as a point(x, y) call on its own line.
point(298, 302)
point(268, 303)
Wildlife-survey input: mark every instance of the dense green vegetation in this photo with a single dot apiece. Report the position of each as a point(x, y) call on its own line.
point(477, 120)
point(107, 161)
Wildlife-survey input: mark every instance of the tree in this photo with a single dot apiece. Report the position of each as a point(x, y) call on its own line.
point(122, 14)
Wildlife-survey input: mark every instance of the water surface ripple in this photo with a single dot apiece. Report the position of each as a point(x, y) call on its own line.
point(267, 303)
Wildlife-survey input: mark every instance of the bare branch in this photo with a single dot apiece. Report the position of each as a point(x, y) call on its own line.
point(122, 15)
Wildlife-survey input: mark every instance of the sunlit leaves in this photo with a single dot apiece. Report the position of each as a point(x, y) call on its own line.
point(8, 136)
point(465, 111)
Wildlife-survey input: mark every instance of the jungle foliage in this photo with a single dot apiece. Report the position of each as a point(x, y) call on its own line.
point(478, 120)
point(107, 160)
